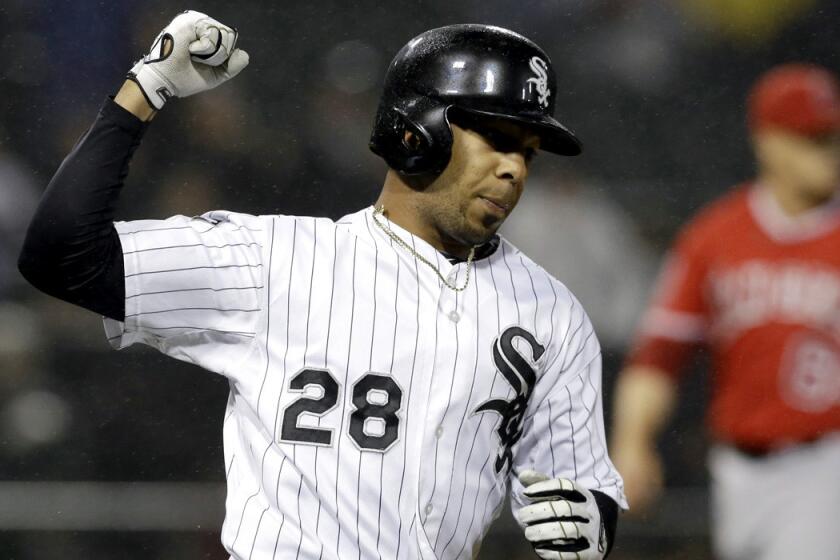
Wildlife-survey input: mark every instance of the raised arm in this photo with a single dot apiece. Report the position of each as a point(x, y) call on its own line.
point(72, 250)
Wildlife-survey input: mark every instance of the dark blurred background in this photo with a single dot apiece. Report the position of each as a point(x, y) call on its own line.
point(118, 455)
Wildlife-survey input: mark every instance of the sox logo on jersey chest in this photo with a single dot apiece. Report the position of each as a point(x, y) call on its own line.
point(522, 377)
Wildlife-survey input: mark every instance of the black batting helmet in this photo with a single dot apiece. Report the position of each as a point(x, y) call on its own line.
point(478, 69)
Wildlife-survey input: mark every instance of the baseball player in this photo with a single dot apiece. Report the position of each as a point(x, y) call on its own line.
point(756, 277)
point(393, 373)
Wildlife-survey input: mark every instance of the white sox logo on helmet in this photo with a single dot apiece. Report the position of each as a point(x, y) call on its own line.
point(540, 68)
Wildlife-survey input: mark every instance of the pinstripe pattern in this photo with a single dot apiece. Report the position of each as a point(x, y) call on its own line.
point(409, 416)
point(326, 361)
point(267, 298)
point(453, 490)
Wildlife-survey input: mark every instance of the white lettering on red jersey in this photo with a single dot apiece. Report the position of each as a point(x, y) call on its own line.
point(762, 290)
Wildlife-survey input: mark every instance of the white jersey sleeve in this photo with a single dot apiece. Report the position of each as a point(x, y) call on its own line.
point(193, 286)
point(563, 432)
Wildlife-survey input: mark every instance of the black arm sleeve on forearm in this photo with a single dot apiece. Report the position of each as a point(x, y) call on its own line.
point(72, 250)
point(609, 515)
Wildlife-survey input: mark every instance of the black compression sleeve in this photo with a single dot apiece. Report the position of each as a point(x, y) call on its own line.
point(72, 250)
point(609, 515)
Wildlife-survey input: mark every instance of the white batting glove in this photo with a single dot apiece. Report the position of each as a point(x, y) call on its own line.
point(563, 521)
point(193, 53)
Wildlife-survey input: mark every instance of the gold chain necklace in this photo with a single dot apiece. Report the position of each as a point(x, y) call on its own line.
point(380, 211)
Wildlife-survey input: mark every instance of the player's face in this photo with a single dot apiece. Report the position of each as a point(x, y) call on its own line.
point(482, 182)
point(809, 165)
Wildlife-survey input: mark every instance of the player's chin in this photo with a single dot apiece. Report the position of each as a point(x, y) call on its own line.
point(491, 222)
point(480, 232)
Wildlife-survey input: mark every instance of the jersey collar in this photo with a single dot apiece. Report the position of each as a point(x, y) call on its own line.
point(424, 248)
point(481, 252)
point(783, 228)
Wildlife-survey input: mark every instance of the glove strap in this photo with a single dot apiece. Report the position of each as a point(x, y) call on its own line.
point(609, 519)
point(156, 91)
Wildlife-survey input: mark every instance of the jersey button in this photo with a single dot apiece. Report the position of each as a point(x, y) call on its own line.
point(428, 509)
point(439, 431)
point(454, 316)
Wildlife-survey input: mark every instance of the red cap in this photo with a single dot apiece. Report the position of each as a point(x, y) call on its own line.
point(802, 98)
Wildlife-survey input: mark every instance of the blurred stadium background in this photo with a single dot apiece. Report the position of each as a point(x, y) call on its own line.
point(106, 455)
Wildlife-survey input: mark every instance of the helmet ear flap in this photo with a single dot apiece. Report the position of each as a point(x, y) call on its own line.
point(414, 139)
point(425, 139)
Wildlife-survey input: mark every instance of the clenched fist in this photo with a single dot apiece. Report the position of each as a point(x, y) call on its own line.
point(192, 54)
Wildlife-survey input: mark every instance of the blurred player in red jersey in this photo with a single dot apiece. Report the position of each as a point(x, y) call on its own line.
point(756, 277)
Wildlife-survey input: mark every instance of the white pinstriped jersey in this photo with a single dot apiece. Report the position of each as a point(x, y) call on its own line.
point(373, 411)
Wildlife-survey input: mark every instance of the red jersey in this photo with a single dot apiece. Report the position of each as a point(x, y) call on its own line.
point(762, 290)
